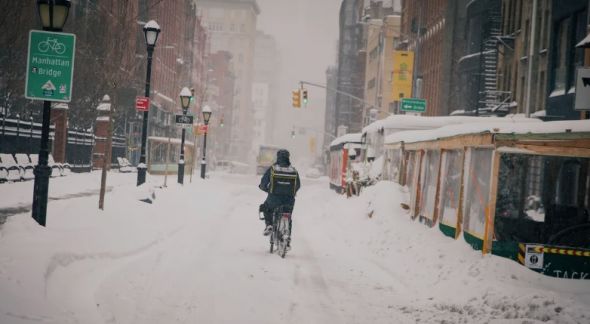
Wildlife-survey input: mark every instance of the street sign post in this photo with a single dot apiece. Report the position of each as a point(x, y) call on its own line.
point(413, 105)
point(50, 66)
point(184, 120)
point(142, 104)
point(583, 89)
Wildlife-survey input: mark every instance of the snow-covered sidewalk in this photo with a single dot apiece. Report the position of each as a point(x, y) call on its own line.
point(197, 256)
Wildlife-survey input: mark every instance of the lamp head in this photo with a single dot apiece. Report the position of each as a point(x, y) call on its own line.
point(53, 13)
point(185, 98)
point(207, 114)
point(151, 31)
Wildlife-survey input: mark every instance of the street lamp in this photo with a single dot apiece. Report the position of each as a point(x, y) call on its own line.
point(185, 100)
point(151, 31)
point(206, 116)
point(53, 15)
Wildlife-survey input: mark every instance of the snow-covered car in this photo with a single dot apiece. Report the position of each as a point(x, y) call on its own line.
point(312, 173)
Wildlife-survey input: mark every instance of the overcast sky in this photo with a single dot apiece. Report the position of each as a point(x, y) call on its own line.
point(307, 34)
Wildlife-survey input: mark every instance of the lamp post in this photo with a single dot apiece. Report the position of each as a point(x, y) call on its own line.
point(53, 15)
point(206, 116)
point(151, 31)
point(185, 99)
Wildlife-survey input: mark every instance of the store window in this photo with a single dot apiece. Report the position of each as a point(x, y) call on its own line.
point(543, 199)
point(450, 186)
point(476, 195)
point(429, 174)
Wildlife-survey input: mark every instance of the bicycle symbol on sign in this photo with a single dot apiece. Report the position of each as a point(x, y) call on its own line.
point(53, 44)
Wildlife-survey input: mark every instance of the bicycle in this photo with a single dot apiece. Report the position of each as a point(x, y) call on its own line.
point(281, 231)
point(52, 44)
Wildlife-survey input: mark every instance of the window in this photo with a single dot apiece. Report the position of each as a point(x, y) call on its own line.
point(578, 53)
point(450, 187)
point(545, 28)
point(561, 45)
point(541, 199)
point(371, 84)
point(476, 197)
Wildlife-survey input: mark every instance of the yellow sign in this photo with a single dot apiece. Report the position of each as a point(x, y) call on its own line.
point(403, 69)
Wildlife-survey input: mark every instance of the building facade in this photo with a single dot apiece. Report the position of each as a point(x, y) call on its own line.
point(232, 28)
point(559, 27)
point(382, 36)
point(265, 89)
point(478, 65)
point(351, 66)
point(330, 125)
point(220, 96)
point(429, 29)
point(569, 23)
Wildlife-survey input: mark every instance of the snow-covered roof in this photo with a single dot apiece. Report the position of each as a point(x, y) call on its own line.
point(492, 127)
point(348, 138)
point(408, 122)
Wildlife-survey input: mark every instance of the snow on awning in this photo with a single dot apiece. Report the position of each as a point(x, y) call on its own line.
point(537, 127)
point(585, 43)
point(348, 138)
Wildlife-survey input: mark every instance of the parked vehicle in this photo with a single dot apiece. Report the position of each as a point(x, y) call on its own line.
point(266, 157)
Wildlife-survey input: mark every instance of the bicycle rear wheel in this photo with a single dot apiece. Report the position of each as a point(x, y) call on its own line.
point(283, 235)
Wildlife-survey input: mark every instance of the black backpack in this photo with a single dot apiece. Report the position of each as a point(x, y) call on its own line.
point(283, 180)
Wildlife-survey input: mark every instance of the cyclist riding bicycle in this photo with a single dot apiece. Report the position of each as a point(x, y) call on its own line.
point(281, 182)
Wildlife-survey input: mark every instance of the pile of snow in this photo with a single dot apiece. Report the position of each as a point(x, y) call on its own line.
point(432, 278)
point(198, 252)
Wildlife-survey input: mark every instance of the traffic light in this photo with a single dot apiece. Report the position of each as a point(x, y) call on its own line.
point(221, 121)
point(305, 97)
point(296, 97)
point(192, 95)
point(293, 134)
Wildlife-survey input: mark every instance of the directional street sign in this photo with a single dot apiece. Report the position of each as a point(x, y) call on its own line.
point(142, 103)
point(50, 66)
point(583, 89)
point(413, 105)
point(184, 120)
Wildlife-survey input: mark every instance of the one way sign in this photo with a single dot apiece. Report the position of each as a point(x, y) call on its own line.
point(583, 89)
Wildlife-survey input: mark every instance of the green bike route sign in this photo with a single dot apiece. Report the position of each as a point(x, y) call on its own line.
point(413, 105)
point(50, 66)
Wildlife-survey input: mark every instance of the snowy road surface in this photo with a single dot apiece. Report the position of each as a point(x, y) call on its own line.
point(197, 256)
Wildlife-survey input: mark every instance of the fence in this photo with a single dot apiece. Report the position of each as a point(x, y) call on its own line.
point(22, 136)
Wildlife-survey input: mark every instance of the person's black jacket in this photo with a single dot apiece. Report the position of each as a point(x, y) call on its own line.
point(273, 200)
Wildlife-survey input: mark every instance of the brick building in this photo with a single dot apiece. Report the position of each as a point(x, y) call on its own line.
point(429, 28)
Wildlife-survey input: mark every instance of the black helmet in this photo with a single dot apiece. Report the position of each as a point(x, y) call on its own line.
point(283, 154)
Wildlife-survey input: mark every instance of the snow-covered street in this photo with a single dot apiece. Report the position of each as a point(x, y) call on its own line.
point(197, 255)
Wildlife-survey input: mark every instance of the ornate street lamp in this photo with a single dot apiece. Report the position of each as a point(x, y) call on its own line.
point(185, 100)
point(206, 116)
point(151, 31)
point(53, 15)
